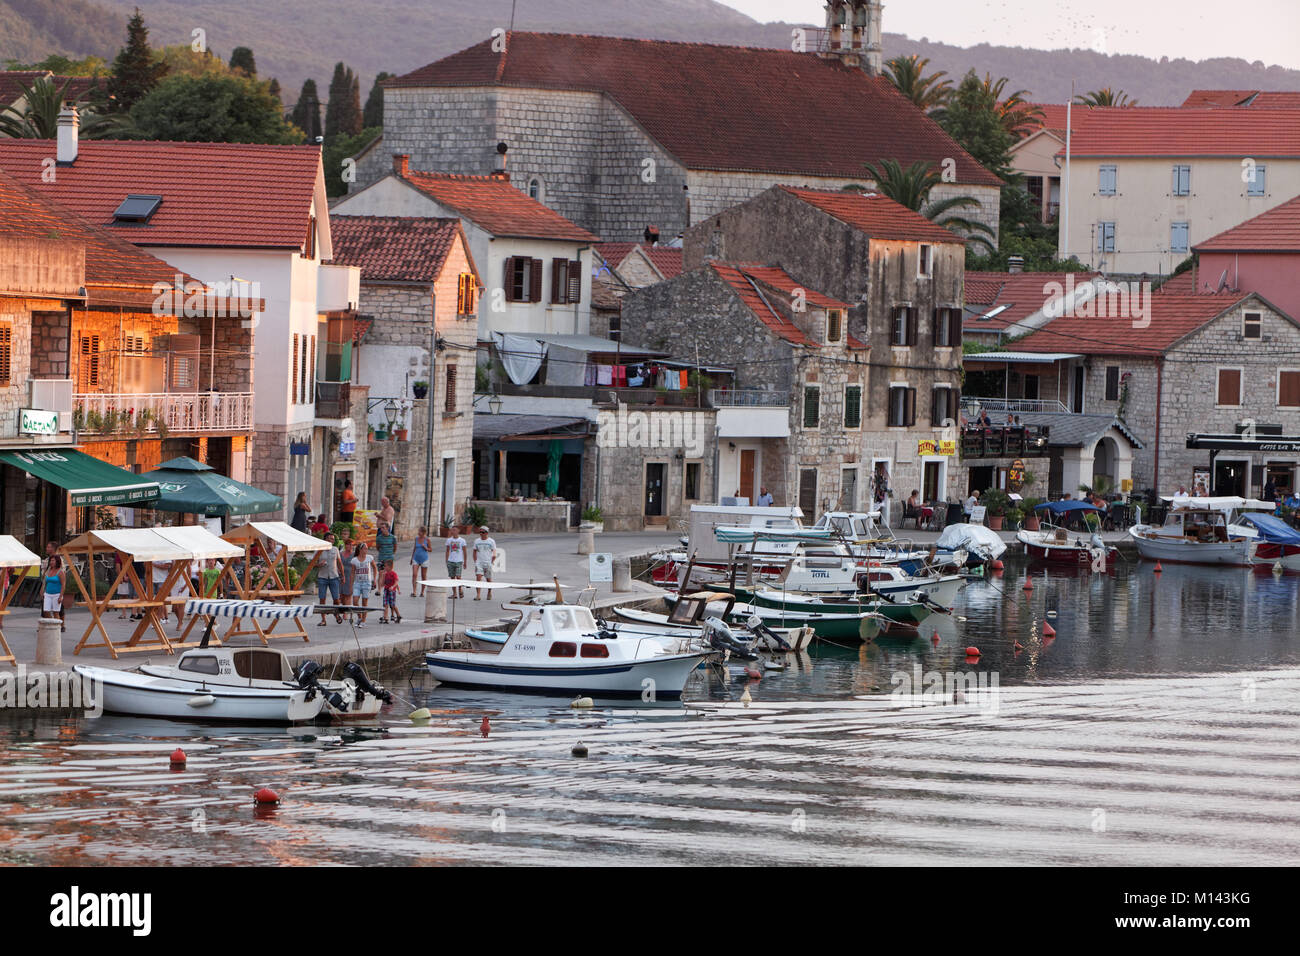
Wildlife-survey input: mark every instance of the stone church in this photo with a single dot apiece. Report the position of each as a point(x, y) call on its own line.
point(622, 135)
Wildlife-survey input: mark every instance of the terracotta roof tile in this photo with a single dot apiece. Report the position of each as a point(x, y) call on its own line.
point(214, 194)
point(1172, 317)
point(1174, 131)
point(1022, 294)
point(403, 249)
point(500, 208)
point(1277, 230)
point(722, 107)
point(1259, 99)
point(745, 278)
point(666, 259)
point(13, 82)
point(875, 215)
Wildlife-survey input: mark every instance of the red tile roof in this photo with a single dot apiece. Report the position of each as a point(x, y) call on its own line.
point(1173, 131)
point(13, 82)
point(1022, 294)
point(875, 215)
point(214, 194)
point(1172, 317)
point(666, 259)
point(397, 248)
point(744, 279)
point(117, 273)
point(500, 208)
point(1263, 99)
point(1277, 230)
point(722, 107)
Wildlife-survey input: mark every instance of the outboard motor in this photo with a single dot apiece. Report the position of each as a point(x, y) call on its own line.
point(721, 639)
point(362, 680)
point(308, 678)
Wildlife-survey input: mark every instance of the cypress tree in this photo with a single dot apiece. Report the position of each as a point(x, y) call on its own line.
point(136, 70)
point(241, 60)
point(306, 112)
point(373, 114)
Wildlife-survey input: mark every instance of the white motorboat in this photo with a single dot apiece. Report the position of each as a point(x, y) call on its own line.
point(1199, 531)
point(559, 649)
point(784, 639)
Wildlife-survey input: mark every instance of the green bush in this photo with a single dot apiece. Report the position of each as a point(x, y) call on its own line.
point(591, 513)
point(475, 516)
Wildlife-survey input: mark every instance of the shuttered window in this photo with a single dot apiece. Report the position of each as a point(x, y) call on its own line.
point(465, 294)
point(852, 406)
point(1229, 392)
point(902, 406)
point(1182, 180)
point(89, 377)
point(941, 406)
point(309, 384)
point(1106, 180)
point(1252, 325)
point(812, 406)
point(6, 352)
point(293, 379)
point(1112, 383)
point(566, 281)
point(1178, 237)
point(1288, 389)
point(947, 328)
point(523, 279)
point(1257, 180)
point(449, 405)
point(903, 328)
point(834, 326)
point(1105, 237)
point(808, 490)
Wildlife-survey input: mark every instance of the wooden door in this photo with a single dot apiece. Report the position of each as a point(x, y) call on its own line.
point(747, 457)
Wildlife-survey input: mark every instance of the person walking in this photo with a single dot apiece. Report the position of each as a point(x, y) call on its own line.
point(386, 513)
point(301, 512)
point(55, 578)
point(392, 586)
point(364, 575)
point(52, 556)
point(419, 556)
point(455, 556)
point(385, 543)
point(485, 550)
point(328, 578)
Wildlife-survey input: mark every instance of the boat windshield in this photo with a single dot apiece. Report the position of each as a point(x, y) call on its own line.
point(572, 619)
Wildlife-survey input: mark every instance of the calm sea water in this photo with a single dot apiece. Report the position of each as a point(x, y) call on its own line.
point(1158, 726)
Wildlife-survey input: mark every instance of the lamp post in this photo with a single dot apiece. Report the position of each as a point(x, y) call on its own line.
point(495, 404)
point(390, 413)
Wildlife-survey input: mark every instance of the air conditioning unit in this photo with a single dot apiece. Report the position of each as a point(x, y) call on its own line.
point(65, 421)
point(51, 395)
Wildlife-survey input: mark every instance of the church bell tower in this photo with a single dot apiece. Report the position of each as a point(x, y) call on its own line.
point(853, 33)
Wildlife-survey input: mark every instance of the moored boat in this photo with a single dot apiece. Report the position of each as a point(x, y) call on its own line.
point(1279, 544)
point(1056, 544)
point(1198, 531)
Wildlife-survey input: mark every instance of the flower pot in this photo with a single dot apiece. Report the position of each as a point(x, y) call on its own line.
point(381, 434)
point(401, 434)
point(995, 522)
point(420, 391)
point(1032, 524)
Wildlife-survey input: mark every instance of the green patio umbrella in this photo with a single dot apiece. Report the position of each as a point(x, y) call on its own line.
point(553, 456)
point(191, 486)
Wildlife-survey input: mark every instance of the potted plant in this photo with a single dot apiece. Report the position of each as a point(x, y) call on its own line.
point(420, 389)
point(592, 519)
point(381, 433)
point(1031, 521)
point(475, 516)
point(399, 431)
point(1013, 518)
point(997, 503)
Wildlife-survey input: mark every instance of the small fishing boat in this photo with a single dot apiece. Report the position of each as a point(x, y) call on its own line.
point(1057, 544)
point(691, 619)
point(850, 623)
point(901, 611)
point(559, 649)
point(1199, 531)
point(967, 545)
point(1279, 544)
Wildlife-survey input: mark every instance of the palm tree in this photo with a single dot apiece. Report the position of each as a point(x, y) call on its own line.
point(911, 187)
point(1105, 97)
point(39, 116)
point(907, 73)
point(1017, 115)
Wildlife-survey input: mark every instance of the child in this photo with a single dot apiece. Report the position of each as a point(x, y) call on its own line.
point(392, 584)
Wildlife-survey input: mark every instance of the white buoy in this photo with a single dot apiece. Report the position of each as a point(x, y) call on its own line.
point(582, 703)
point(1051, 614)
point(773, 666)
point(418, 715)
point(1277, 567)
point(745, 698)
point(202, 700)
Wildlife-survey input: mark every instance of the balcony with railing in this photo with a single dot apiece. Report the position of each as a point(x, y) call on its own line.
point(971, 405)
point(1004, 441)
point(747, 398)
point(158, 414)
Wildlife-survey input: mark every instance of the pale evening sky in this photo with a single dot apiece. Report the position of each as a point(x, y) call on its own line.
point(1193, 29)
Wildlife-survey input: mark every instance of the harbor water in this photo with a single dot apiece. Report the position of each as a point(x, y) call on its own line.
point(1160, 724)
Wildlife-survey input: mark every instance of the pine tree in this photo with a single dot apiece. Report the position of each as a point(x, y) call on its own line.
point(306, 112)
point(136, 70)
point(274, 90)
point(241, 60)
point(373, 114)
point(343, 112)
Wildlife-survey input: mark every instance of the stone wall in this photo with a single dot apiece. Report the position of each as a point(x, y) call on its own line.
point(634, 436)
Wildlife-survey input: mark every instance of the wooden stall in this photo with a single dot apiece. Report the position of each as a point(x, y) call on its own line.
point(276, 544)
point(13, 556)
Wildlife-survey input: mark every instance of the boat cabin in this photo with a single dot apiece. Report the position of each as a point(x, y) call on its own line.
point(236, 663)
point(853, 525)
point(1203, 525)
point(566, 630)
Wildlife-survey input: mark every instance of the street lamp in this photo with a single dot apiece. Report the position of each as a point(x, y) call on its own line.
point(495, 404)
point(390, 412)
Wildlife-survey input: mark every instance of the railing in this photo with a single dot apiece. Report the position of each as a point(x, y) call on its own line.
point(603, 394)
point(333, 399)
point(972, 404)
point(107, 413)
point(747, 397)
point(1004, 442)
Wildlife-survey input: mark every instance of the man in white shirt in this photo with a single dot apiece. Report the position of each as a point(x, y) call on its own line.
point(765, 498)
point(971, 502)
point(455, 553)
point(485, 550)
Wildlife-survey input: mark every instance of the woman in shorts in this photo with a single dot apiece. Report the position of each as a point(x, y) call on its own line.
point(420, 556)
point(364, 574)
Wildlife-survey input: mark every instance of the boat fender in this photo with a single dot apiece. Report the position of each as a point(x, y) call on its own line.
point(582, 703)
point(1048, 630)
point(934, 638)
point(266, 796)
point(753, 673)
point(362, 679)
point(422, 713)
point(745, 698)
point(201, 700)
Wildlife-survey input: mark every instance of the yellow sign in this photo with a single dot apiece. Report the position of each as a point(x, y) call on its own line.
point(1017, 472)
point(928, 446)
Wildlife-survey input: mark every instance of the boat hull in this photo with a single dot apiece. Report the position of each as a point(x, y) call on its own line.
point(1064, 553)
point(908, 613)
point(665, 675)
point(140, 695)
point(1182, 551)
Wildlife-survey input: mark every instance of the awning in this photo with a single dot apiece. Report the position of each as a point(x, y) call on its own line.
point(14, 554)
point(90, 481)
point(276, 532)
point(142, 544)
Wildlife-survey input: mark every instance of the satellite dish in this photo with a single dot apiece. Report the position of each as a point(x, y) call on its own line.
point(1223, 281)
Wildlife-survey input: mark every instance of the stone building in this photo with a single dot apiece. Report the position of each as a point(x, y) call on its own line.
point(419, 301)
point(901, 276)
point(1208, 364)
point(793, 420)
point(619, 135)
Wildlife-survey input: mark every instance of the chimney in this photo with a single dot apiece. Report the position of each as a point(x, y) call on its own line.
point(69, 125)
point(651, 235)
point(401, 164)
point(500, 171)
point(1015, 263)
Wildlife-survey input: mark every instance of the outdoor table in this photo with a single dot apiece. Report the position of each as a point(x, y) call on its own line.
point(13, 555)
point(279, 542)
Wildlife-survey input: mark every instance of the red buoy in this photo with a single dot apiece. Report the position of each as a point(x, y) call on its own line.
point(934, 638)
point(972, 651)
point(1029, 584)
point(266, 796)
point(178, 757)
point(1048, 630)
point(1018, 646)
point(753, 673)
point(485, 726)
point(997, 564)
point(1158, 568)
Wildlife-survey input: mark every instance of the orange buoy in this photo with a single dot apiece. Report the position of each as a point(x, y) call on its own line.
point(934, 638)
point(266, 796)
point(1158, 568)
point(1048, 630)
point(485, 726)
point(972, 651)
point(178, 758)
point(997, 564)
point(1029, 584)
point(753, 673)
point(1018, 646)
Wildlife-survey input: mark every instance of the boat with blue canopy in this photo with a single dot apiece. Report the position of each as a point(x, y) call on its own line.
point(1057, 544)
point(1279, 542)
